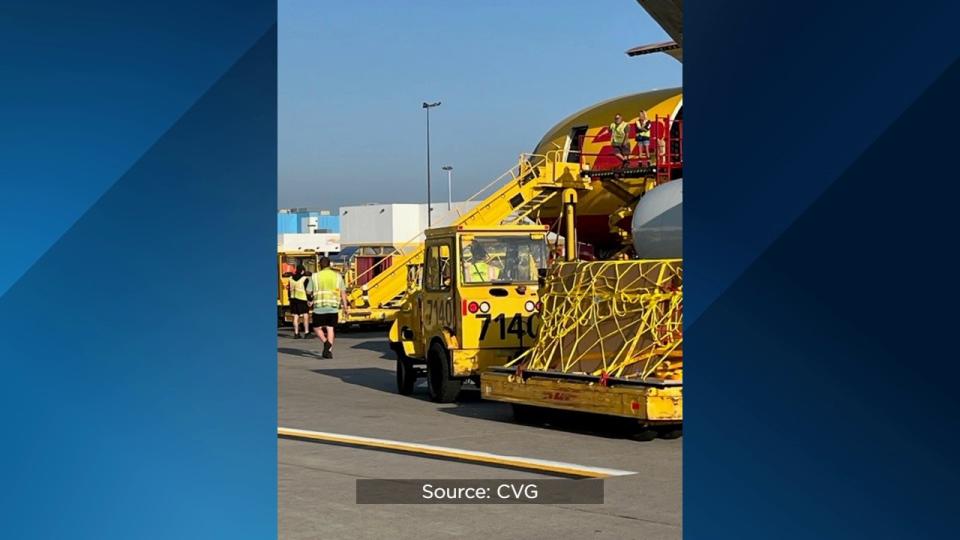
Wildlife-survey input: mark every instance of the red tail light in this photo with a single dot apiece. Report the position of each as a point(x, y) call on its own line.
point(473, 307)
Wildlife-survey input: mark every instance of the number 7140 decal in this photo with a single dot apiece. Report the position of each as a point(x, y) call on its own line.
point(516, 326)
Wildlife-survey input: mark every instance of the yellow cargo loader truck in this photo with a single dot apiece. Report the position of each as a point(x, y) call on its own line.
point(472, 304)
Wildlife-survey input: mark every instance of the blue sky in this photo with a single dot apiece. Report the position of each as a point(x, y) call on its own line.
point(352, 76)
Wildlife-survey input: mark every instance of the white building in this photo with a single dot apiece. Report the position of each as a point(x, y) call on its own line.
point(393, 224)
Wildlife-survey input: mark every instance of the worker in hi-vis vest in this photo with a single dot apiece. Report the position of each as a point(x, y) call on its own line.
point(643, 136)
point(299, 298)
point(476, 267)
point(619, 131)
point(329, 298)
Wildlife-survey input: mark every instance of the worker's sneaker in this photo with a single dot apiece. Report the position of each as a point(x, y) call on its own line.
point(296, 336)
point(327, 354)
point(326, 350)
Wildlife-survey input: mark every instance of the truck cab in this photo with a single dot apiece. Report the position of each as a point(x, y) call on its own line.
point(471, 305)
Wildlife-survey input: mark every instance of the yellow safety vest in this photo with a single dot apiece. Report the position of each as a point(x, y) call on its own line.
point(326, 289)
point(298, 288)
point(480, 271)
point(619, 132)
point(643, 129)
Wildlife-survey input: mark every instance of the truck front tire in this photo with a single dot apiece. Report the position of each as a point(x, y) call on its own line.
point(406, 371)
point(406, 376)
point(443, 387)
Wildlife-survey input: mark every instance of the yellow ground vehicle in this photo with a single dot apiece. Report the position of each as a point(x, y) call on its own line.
point(287, 262)
point(608, 339)
point(471, 305)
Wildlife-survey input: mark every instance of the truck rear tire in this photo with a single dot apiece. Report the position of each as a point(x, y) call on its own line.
point(644, 434)
point(670, 432)
point(443, 387)
point(527, 414)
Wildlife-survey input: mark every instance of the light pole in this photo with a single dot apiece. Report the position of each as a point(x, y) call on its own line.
point(449, 170)
point(427, 107)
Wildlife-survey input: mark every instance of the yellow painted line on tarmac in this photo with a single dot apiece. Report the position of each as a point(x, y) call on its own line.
point(469, 456)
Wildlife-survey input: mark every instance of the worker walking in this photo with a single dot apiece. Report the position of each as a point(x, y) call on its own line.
point(619, 139)
point(299, 298)
point(329, 297)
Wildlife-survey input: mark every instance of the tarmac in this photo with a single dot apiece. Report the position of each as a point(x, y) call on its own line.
point(354, 395)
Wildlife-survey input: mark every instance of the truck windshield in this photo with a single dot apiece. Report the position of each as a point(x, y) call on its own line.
point(502, 259)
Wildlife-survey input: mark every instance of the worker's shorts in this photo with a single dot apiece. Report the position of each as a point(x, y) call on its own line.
point(643, 140)
point(325, 319)
point(622, 149)
point(298, 307)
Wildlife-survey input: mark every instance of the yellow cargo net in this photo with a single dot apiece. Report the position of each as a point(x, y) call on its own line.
point(611, 318)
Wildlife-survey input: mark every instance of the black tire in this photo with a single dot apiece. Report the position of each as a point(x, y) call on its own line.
point(443, 387)
point(406, 371)
point(670, 432)
point(406, 376)
point(644, 435)
point(527, 414)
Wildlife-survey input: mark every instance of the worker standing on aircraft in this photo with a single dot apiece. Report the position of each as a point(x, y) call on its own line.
point(297, 289)
point(618, 135)
point(643, 136)
point(329, 297)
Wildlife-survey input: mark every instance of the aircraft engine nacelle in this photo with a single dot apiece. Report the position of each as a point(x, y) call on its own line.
point(658, 222)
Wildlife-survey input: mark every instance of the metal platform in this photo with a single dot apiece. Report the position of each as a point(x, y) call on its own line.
point(626, 172)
